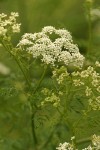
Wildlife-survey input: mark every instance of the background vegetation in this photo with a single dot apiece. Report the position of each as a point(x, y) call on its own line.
point(15, 128)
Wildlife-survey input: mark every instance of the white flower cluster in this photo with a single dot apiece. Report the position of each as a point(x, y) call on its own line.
point(51, 97)
point(50, 50)
point(78, 82)
point(60, 74)
point(8, 25)
point(96, 142)
point(88, 91)
point(87, 80)
point(94, 146)
point(65, 146)
point(90, 79)
point(97, 63)
point(95, 13)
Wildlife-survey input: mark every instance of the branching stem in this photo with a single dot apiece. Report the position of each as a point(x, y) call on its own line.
point(17, 61)
point(29, 85)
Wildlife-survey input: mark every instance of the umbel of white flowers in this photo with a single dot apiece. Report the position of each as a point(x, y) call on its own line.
point(52, 50)
point(8, 25)
point(70, 146)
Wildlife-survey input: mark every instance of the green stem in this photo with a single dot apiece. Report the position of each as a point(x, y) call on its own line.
point(33, 130)
point(23, 72)
point(90, 31)
point(50, 136)
point(88, 11)
point(21, 68)
point(81, 141)
point(41, 79)
point(18, 63)
point(88, 139)
point(48, 140)
point(68, 97)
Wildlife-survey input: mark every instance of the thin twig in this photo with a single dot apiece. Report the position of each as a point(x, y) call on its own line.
point(18, 63)
point(85, 140)
point(41, 79)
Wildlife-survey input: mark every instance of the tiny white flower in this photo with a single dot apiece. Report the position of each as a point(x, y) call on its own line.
point(98, 88)
point(16, 28)
point(88, 91)
point(3, 31)
point(95, 13)
point(97, 63)
point(78, 82)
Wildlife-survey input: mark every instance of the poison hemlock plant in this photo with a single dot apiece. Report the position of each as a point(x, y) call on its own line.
point(71, 95)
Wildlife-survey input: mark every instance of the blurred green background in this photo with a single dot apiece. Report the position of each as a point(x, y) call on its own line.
point(35, 14)
point(15, 131)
